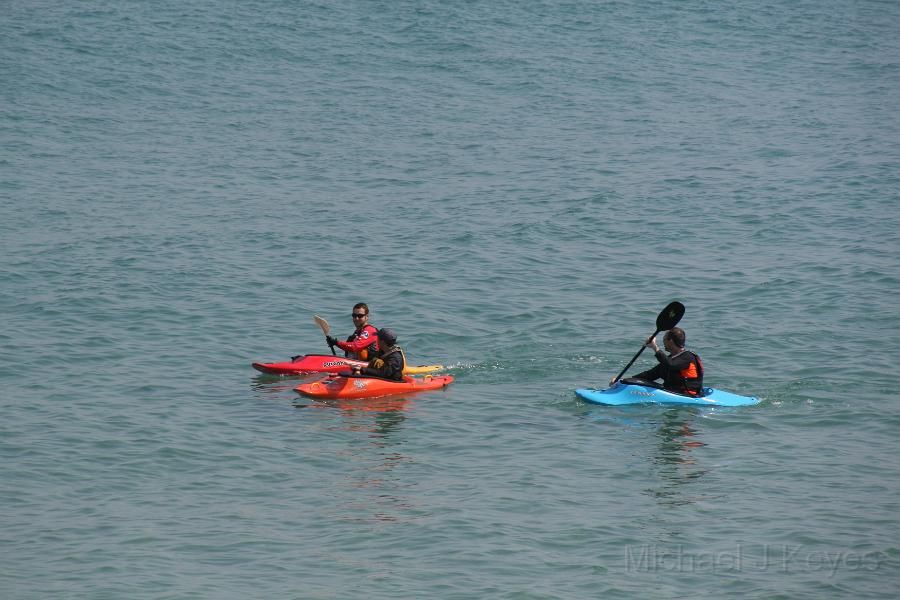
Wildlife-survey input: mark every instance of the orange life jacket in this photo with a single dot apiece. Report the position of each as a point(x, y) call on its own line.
point(693, 374)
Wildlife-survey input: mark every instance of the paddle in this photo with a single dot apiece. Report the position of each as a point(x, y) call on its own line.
point(326, 328)
point(666, 320)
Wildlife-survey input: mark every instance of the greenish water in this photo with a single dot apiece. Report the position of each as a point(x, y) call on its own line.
point(517, 190)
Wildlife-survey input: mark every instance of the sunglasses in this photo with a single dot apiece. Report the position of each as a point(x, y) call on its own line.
point(358, 315)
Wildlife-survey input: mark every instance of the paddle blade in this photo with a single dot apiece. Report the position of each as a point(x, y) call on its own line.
point(322, 323)
point(669, 316)
point(665, 321)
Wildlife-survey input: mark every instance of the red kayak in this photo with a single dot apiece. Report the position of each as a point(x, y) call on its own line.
point(338, 386)
point(323, 363)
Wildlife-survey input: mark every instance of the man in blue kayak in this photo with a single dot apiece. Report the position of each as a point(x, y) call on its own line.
point(680, 369)
point(389, 361)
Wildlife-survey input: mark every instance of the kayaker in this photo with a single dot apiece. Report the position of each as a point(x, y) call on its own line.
point(362, 344)
point(681, 370)
point(390, 360)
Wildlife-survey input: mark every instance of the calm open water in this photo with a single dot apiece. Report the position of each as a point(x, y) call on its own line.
point(517, 189)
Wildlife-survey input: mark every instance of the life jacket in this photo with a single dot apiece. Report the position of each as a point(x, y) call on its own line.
point(363, 354)
point(378, 362)
point(692, 376)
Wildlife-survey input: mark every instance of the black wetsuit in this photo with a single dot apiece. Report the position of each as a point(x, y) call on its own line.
point(388, 365)
point(677, 373)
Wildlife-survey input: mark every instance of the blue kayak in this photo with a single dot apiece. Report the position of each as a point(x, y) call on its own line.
point(624, 393)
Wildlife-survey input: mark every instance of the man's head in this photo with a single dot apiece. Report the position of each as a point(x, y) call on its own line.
point(386, 337)
point(360, 315)
point(676, 337)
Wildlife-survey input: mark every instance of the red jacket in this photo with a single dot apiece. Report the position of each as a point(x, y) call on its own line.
point(361, 345)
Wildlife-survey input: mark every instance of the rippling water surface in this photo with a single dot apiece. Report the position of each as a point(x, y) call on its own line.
point(516, 189)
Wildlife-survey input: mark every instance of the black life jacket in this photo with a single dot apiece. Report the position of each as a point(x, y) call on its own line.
point(692, 376)
point(378, 361)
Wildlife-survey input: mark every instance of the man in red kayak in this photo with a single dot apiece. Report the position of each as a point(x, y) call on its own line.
point(389, 361)
point(680, 370)
point(362, 344)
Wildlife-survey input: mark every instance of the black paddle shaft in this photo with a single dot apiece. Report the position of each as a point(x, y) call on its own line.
point(666, 320)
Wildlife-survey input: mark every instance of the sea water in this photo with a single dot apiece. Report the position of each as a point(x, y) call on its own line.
point(517, 189)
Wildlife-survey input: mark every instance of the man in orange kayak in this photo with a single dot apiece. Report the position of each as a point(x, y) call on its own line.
point(680, 370)
point(390, 360)
point(362, 344)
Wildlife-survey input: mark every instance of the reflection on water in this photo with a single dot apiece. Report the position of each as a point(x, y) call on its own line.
point(671, 438)
point(677, 464)
point(372, 489)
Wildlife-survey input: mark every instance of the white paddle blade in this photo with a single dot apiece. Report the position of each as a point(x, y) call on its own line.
point(322, 323)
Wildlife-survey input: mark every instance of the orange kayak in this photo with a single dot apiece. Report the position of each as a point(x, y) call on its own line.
point(339, 386)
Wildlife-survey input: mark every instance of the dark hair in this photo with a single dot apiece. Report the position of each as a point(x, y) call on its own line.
point(361, 305)
point(677, 335)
